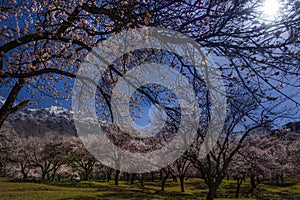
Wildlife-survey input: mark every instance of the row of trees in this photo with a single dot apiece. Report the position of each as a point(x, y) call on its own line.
point(45, 156)
point(55, 157)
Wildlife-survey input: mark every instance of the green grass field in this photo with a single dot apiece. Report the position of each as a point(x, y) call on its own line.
point(195, 189)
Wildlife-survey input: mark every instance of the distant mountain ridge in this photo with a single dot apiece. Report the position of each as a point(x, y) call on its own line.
point(40, 121)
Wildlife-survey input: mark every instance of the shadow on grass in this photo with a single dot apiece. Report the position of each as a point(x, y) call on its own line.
point(195, 189)
point(287, 184)
point(135, 195)
point(105, 190)
point(75, 184)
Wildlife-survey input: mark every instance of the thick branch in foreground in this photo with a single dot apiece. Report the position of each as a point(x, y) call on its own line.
point(8, 107)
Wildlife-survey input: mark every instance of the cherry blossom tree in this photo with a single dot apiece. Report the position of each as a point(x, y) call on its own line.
point(165, 177)
point(57, 35)
point(81, 160)
point(293, 157)
point(8, 150)
point(238, 170)
point(250, 161)
point(53, 39)
point(242, 119)
point(268, 155)
point(48, 154)
point(180, 168)
point(22, 156)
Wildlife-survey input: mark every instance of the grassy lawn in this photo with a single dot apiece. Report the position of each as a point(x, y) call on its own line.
point(195, 189)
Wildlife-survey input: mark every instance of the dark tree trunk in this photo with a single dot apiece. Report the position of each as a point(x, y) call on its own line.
point(152, 176)
point(117, 177)
point(24, 171)
point(108, 176)
point(24, 174)
point(43, 176)
point(127, 176)
point(253, 185)
point(142, 180)
point(81, 176)
point(181, 178)
point(238, 187)
point(212, 189)
point(8, 106)
point(277, 179)
point(281, 178)
point(175, 179)
point(132, 178)
point(53, 175)
point(163, 182)
point(257, 179)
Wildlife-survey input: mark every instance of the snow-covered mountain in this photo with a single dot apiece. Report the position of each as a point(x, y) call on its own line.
point(42, 113)
point(39, 121)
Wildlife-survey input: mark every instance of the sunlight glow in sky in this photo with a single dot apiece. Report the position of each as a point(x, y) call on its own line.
point(270, 8)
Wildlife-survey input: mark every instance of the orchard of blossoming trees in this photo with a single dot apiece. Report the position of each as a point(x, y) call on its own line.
point(263, 157)
point(43, 43)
